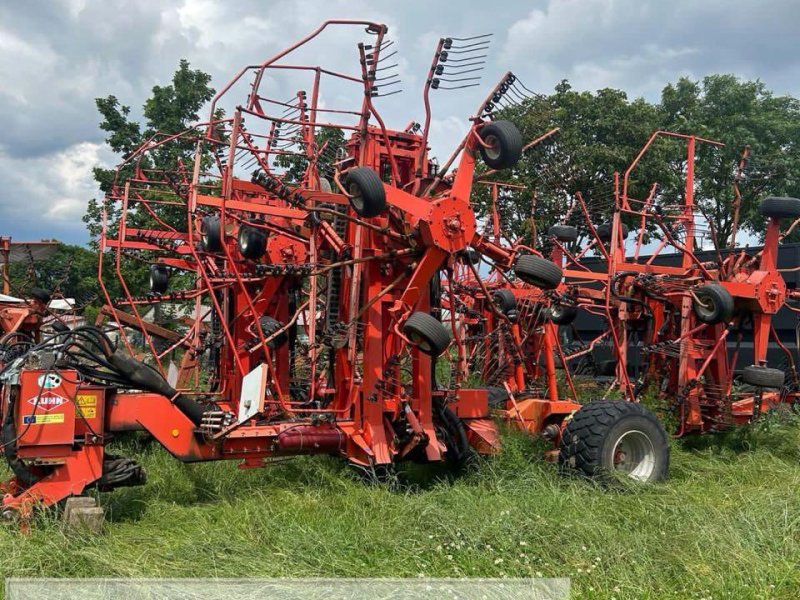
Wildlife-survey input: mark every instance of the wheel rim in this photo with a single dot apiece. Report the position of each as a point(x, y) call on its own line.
point(634, 455)
point(421, 342)
point(152, 283)
point(705, 307)
point(492, 148)
point(356, 199)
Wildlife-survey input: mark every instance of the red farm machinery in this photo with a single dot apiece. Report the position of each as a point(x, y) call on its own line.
point(333, 292)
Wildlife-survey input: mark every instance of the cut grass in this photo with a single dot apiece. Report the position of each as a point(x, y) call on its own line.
point(724, 526)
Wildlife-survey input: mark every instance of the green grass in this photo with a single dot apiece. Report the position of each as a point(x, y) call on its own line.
point(724, 526)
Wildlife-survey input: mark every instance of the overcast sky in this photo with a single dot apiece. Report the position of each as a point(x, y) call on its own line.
point(57, 56)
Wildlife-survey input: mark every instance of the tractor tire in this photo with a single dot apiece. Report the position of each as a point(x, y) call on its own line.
point(504, 144)
point(269, 326)
point(561, 314)
point(367, 195)
point(763, 377)
point(211, 234)
point(41, 295)
point(252, 242)
point(607, 368)
point(469, 256)
point(538, 271)
point(427, 333)
point(505, 301)
point(604, 232)
point(774, 207)
point(498, 398)
point(614, 437)
point(714, 304)
point(159, 279)
point(564, 233)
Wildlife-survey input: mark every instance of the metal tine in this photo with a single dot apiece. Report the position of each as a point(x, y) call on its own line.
point(474, 37)
point(465, 68)
point(469, 50)
point(383, 58)
point(465, 46)
point(461, 60)
point(387, 94)
point(457, 80)
point(458, 87)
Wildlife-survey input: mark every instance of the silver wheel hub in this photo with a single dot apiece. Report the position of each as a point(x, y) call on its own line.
point(634, 455)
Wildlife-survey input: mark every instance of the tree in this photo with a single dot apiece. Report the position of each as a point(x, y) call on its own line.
point(171, 109)
point(70, 271)
point(598, 134)
point(601, 133)
point(737, 113)
point(328, 141)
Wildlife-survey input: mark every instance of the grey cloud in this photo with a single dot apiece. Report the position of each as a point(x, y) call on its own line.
point(56, 57)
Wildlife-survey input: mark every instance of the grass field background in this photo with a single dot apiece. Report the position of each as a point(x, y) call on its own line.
point(724, 526)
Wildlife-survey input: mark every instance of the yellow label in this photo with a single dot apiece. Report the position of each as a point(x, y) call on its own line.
point(86, 400)
point(45, 419)
point(87, 412)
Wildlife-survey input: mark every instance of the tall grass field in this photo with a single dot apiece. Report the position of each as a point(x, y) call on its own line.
point(725, 525)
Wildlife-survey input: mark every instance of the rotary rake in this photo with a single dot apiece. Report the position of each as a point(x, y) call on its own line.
point(305, 255)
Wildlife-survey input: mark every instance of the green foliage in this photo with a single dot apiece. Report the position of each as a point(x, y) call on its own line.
point(328, 141)
point(170, 110)
point(601, 133)
point(70, 271)
point(724, 526)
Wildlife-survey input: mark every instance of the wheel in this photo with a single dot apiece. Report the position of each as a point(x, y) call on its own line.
point(607, 437)
point(367, 195)
point(564, 233)
point(504, 143)
point(211, 234)
point(604, 232)
point(470, 256)
point(763, 377)
point(773, 207)
point(427, 333)
point(159, 279)
point(712, 303)
point(561, 314)
point(41, 295)
point(607, 368)
point(505, 301)
point(538, 271)
point(498, 398)
point(252, 242)
point(269, 326)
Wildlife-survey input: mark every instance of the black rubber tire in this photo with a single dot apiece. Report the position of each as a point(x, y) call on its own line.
point(470, 256)
point(564, 233)
point(270, 326)
point(607, 368)
point(252, 242)
point(506, 144)
point(716, 304)
point(505, 301)
point(774, 207)
point(763, 377)
point(498, 398)
point(41, 295)
point(211, 234)
point(427, 333)
point(561, 314)
point(590, 440)
point(604, 232)
point(159, 279)
point(368, 196)
point(538, 271)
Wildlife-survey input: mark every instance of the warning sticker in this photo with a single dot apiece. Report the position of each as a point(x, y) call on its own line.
point(86, 400)
point(42, 419)
point(87, 412)
point(47, 401)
